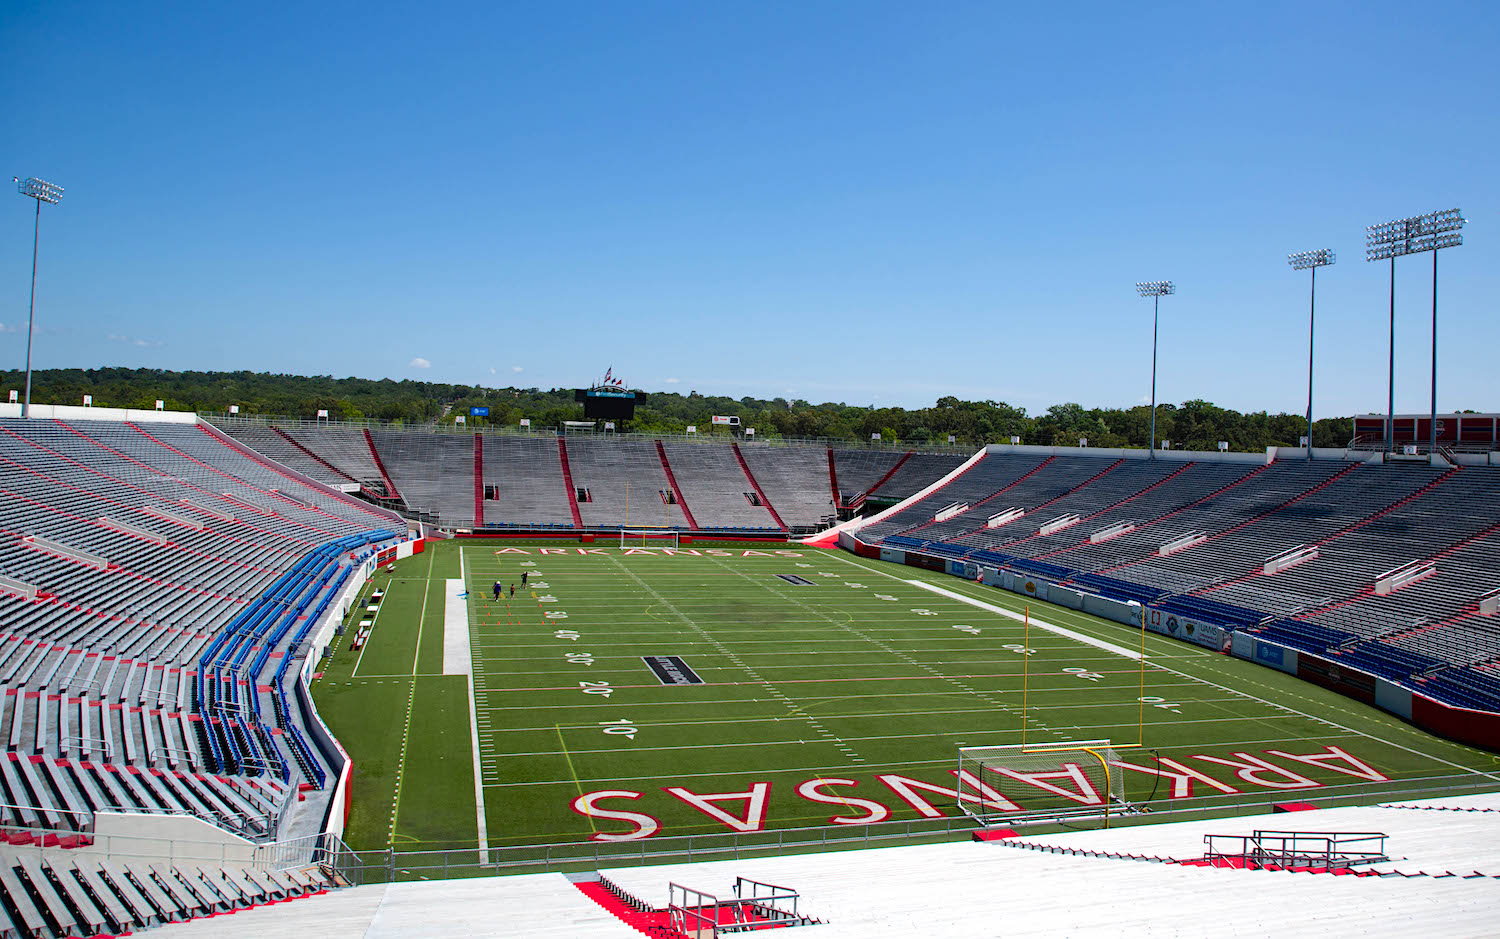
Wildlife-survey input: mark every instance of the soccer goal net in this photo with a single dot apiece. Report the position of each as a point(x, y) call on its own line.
point(648, 538)
point(1066, 780)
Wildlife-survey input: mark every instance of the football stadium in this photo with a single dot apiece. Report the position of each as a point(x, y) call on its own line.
point(287, 655)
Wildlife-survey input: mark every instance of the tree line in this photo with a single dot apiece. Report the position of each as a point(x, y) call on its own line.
point(1191, 425)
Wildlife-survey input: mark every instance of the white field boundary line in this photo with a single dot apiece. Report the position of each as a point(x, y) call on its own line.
point(484, 835)
point(1040, 624)
point(374, 620)
point(1244, 694)
point(416, 653)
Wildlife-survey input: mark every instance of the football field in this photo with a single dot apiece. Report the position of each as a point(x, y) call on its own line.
point(630, 694)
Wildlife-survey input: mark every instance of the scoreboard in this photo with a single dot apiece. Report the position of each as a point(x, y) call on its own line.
point(609, 404)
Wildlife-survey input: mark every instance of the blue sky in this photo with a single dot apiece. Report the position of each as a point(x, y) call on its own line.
point(882, 202)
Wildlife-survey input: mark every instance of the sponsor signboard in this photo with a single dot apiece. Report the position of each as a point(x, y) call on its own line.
point(1177, 626)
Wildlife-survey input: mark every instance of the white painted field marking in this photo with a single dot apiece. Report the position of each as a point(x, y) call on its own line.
point(1213, 684)
point(484, 835)
point(457, 656)
point(1056, 630)
point(426, 589)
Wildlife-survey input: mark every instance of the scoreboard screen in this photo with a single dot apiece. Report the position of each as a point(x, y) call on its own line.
point(610, 405)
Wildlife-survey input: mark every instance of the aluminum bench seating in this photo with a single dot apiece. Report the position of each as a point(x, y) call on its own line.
point(988, 478)
point(529, 477)
point(273, 445)
point(1035, 493)
point(919, 470)
point(858, 470)
point(434, 472)
point(626, 481)
point(794, 480)
point(714, 487)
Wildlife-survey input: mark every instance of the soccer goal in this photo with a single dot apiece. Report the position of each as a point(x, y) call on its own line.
point(1074, 780)
point(649, 538)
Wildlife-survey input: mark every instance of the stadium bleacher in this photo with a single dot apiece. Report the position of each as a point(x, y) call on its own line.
point(137, 676)
point(1198, 540)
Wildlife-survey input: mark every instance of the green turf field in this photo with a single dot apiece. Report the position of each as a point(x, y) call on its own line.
point(863, 676)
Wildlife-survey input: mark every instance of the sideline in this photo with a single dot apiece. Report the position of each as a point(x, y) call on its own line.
point(1058, 630)
point(468, 671)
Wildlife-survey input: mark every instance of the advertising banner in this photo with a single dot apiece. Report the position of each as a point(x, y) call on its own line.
point(1207, 635)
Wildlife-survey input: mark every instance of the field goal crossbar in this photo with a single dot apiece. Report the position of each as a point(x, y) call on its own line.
point(650, 538)
point(1063, 780)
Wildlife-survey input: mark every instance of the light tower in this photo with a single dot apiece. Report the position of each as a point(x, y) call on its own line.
point(1389, 241)
point(1155, 289)
point(41, 191)
point(1311, 261)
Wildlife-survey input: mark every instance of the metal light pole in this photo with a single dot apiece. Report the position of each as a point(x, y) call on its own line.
point(1304, 261)
point(41, 191)
point(1390, 240)
point(1155, 289)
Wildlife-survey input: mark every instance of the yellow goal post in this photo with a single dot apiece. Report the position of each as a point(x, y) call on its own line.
point(1073, 780)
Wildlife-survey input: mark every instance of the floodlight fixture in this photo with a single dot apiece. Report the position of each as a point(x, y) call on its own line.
point(39, 189)
point(50, 193)
point(1414, 235)
point(1311, 261)
point(1155, 289)
point(1305, 260)
point(1396, 238)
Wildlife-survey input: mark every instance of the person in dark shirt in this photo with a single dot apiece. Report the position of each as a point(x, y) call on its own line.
point(512, 590)
point(497, 590)
point(524, 575)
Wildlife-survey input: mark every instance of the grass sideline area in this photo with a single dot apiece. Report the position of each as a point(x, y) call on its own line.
point(839, 701)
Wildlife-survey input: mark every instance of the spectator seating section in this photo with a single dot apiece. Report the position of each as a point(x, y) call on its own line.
point(148, 670)
point(527, 472)
point(795, 482)
point(433, 472)
point(73, 894)
point(626, 480)
point(1352, 522)
point(715, 487)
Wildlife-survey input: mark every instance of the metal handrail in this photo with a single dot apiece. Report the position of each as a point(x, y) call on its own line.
point(1327, 849)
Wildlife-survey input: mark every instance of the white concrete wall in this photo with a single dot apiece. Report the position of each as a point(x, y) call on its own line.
point(74, 412)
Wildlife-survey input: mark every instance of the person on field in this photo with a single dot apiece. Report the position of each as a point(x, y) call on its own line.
point(512, 590)
point(524, 575)
point(497, 590)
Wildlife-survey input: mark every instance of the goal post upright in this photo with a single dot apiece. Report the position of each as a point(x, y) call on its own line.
point(1025, 671)
point(1140, 721)
point(644, 538)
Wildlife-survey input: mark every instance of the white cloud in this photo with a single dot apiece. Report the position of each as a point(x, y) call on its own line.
point(419, 362)
point(517, 368)
point(135, 341)
point(10, 328)
point(672, 381)
point(492, 371)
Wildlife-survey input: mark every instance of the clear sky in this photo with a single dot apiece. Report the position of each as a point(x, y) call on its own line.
point(873, 203)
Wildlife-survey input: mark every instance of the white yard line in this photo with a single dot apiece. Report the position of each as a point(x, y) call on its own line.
point(416, 654)
point(1211, 684)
